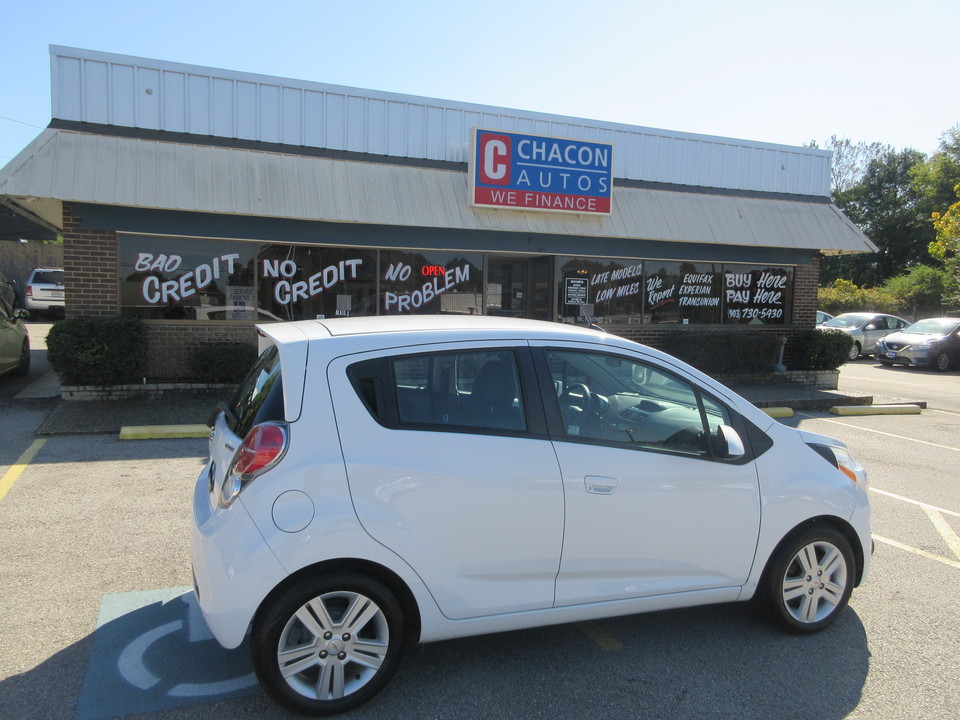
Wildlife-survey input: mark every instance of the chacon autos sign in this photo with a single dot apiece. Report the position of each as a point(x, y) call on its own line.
point(535, 172)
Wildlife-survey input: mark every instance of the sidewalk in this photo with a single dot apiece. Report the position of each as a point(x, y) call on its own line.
point(100, 417)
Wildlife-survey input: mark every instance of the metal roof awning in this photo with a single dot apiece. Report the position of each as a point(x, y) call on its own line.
point(71, 166)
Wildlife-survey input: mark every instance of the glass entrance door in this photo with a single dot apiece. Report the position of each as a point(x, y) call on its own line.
point(520, 287)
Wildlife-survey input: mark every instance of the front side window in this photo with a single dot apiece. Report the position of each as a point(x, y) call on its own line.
point(478, 389)
point(621, 401)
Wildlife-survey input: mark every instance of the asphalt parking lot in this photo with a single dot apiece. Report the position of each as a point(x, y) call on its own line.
point(98, 622)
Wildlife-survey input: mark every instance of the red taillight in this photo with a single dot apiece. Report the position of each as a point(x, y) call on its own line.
point(262, 446)
point(29, 290)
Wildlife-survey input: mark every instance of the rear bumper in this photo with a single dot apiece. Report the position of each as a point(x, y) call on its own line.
point(233, 567)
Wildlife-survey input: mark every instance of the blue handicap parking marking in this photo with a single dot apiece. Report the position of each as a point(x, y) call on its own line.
point(153, 651)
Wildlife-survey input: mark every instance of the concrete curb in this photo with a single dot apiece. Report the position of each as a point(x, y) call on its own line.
point(876, 410)
point(155, 432)
point(778, 412)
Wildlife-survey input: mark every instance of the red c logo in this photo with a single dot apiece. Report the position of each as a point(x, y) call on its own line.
point(495, 159)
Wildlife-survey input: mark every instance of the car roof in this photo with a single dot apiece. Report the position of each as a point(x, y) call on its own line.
point(467, 325)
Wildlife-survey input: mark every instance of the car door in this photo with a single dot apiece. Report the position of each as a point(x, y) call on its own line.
point(450, 467)
point(650, 508)
point(875, 329)
point(10, 340)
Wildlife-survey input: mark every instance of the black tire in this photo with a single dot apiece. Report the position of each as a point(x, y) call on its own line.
point(23, 369)
point(343, 659)
point(808, 580)
point(941, 363)
point(854, 352)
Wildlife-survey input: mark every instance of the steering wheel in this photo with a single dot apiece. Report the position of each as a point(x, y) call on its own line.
point(577, 394)
point(688, 436)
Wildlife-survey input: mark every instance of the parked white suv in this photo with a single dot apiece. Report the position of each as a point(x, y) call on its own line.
point(383, 480)
point(44, 290)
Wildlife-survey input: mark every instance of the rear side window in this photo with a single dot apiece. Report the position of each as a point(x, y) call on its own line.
point(445, 391)
point(259, 398)
point(472, 389)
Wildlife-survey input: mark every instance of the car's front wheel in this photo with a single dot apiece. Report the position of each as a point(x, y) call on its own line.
point(328, 643)
point(941, 362)
point(809, 580)
point(854, 351)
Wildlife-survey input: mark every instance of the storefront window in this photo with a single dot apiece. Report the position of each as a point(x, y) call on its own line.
point(181, 279)
point(682, 293)
point(299, 282)
point(609, 291)
point(430, 283)
point(757, 295)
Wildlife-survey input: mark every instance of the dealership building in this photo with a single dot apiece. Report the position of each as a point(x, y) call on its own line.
point(204, 201)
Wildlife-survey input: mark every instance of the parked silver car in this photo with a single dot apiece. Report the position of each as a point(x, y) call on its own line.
point(866, 329)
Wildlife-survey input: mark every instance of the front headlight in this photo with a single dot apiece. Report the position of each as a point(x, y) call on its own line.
point(841, 459)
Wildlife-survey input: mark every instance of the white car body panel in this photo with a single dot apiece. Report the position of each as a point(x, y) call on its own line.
point(493, 532)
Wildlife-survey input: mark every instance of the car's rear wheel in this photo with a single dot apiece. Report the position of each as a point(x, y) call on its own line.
point(328, 643)
point(941, 362)
point(23, 369)
point(854, 351)
point(809, 579)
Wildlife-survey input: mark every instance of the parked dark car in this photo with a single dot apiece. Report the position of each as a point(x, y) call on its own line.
point(933, 342)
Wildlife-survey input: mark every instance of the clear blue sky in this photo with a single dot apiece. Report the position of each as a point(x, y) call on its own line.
point(783, 72)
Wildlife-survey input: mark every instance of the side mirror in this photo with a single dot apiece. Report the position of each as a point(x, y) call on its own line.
point(871, 326)
point(727, 443)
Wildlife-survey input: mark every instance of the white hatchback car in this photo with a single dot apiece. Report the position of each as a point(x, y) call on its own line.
point(383, 480)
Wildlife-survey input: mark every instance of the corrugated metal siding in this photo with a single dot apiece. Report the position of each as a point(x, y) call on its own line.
point(96, 87)
point(81, 167)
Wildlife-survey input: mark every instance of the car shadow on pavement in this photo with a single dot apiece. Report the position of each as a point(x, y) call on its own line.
point(710, 662)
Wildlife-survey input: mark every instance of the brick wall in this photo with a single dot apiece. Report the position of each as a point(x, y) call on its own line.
point(90, 262)
point(170, 343)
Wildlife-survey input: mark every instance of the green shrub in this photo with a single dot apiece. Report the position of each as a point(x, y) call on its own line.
point(725, 352)
point(223, 363)
point(97, 350)
point(821, 349)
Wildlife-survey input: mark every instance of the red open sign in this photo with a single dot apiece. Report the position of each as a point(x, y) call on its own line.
point(433, 270)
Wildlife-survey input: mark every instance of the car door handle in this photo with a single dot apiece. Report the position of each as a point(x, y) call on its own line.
point(599, 485)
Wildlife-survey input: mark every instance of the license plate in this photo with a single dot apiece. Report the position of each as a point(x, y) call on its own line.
point(891, 355)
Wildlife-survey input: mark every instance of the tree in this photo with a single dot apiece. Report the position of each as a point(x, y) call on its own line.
point(946, 247)
point(850, 161)
point(888, 207)
point(936, 179)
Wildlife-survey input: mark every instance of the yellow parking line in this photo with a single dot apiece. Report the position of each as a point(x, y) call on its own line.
point(600, 637)
point(11, 475)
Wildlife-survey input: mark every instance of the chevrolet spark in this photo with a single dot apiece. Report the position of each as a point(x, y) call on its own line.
point(378, 481)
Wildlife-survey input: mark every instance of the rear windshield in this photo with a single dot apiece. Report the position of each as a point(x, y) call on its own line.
point(259, 398)
point(48, 277)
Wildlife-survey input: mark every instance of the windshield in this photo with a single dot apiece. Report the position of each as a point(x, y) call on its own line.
point(846, 321)
point(935, 326)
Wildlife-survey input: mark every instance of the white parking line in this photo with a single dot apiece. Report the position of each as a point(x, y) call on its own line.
point(880, 432)
point(915, 502)
point(949, 536)
point(917, 551)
